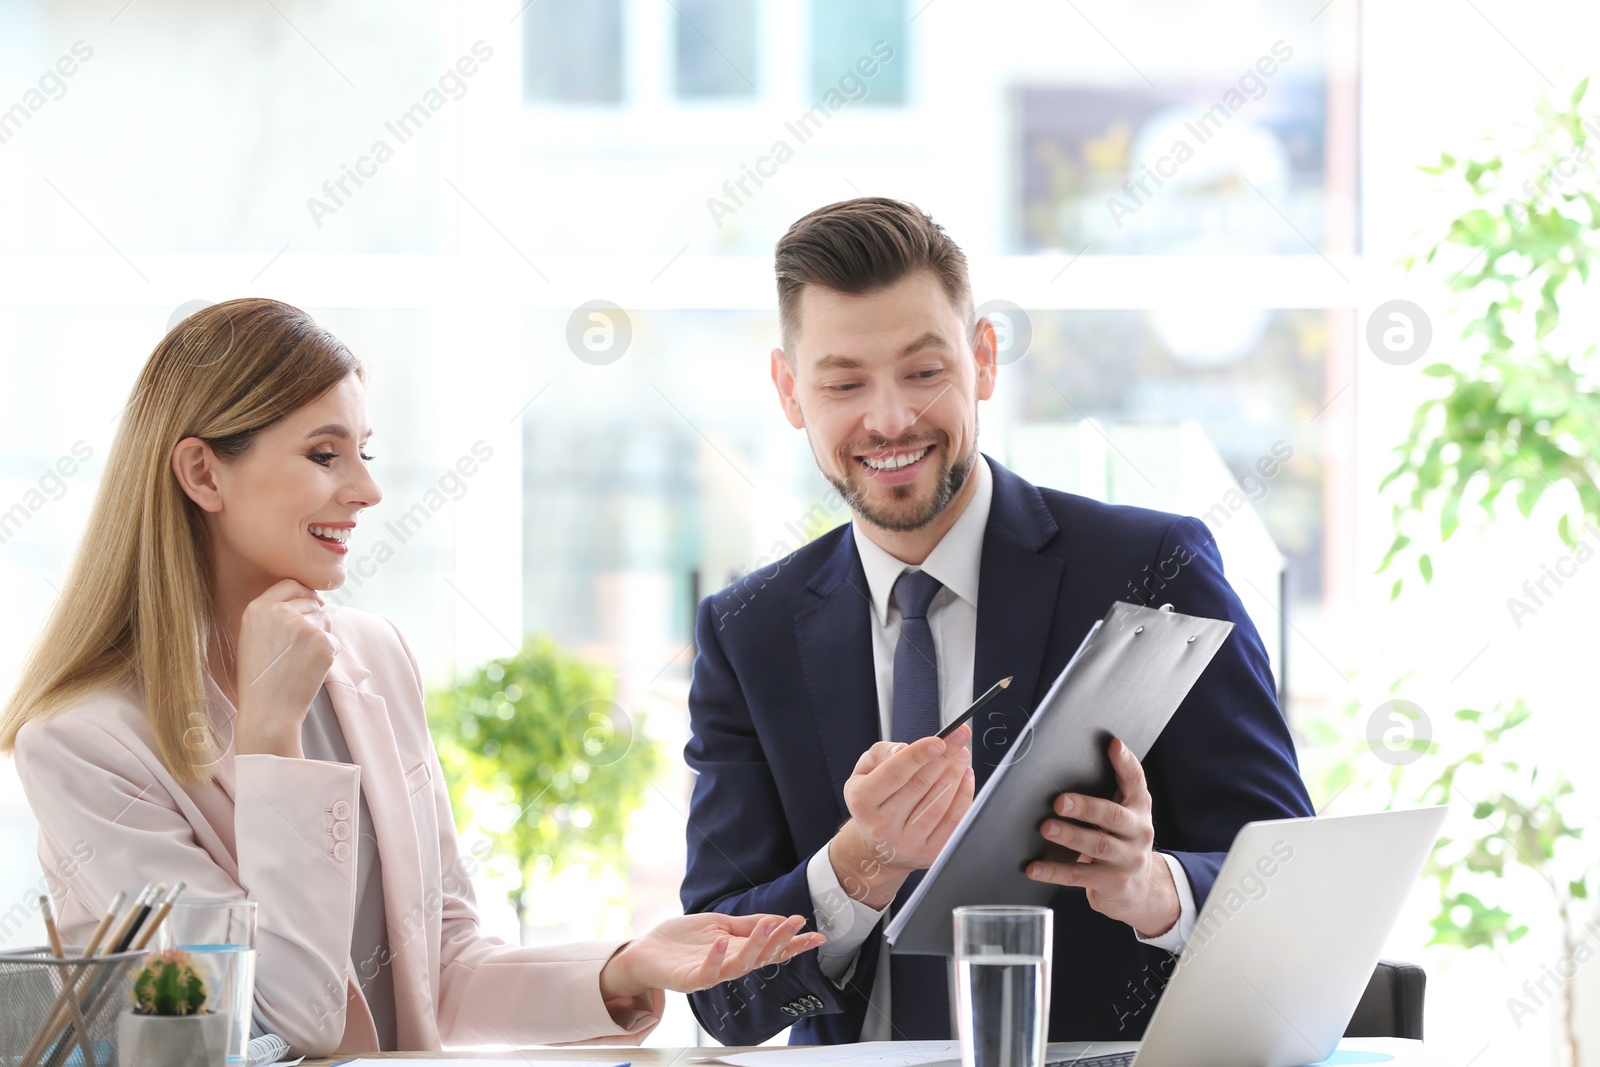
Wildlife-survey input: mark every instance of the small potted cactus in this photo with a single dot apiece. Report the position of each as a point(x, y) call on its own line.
point(169, 1025)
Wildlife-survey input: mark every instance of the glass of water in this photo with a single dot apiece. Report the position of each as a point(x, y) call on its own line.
point(1003, 984)
point(222, 936)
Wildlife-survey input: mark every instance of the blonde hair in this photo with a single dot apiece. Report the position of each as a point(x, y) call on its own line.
point(136, 608)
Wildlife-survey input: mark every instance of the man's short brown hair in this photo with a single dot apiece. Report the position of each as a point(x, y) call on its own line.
point(864, 246)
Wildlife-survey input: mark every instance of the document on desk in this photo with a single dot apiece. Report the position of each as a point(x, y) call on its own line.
point(1126, 679)
point(860, 1054)
point(458, 1061)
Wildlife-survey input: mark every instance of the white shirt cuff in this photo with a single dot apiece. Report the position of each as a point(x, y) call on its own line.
point(844, 921)
point(1177, 938)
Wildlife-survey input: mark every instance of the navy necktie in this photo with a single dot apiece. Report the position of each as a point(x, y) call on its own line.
point(919, 992)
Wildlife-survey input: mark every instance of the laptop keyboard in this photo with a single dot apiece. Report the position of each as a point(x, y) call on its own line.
point(1115, 1059)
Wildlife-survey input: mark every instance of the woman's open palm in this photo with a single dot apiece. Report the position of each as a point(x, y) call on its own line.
point(695, 952)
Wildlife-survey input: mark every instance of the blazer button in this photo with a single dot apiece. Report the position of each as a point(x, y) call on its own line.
point(341, 809)
point(341, 831)
point(788, 1009)
point(813, 1003)
point(341, 851)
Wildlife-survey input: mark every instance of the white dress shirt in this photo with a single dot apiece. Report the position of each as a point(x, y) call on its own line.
point(953, 618)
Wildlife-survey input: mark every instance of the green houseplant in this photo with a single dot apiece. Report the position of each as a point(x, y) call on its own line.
point(1524, 414)
point(1520, 415)
point(168, 1025)
point(1528, 829)
point(540, 759)
point(1523, 816)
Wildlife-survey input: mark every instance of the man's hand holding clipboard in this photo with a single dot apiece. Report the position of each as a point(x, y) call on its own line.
point(1115, 844)
point(1082, 744)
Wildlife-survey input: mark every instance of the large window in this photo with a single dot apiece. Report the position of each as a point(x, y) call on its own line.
point(716, 48)
point(1239, 165)
point(844, 31)
point(572, 51)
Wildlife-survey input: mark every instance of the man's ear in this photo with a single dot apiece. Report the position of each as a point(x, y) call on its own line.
point(783, 378)
point(195, 466)
point(985, 353)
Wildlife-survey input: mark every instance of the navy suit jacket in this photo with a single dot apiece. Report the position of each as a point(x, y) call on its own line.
point(784, 701)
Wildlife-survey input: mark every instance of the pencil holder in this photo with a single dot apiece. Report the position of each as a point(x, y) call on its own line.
point(62, 1012)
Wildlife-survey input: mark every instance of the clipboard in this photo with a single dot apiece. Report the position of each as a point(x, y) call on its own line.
point(1127, 678)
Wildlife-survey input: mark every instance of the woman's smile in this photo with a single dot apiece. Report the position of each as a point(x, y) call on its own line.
point(333, 536)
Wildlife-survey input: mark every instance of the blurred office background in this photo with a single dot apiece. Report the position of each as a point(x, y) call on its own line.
point(547, 227)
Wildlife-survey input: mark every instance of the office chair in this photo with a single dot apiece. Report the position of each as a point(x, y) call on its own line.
point(1392, 1004)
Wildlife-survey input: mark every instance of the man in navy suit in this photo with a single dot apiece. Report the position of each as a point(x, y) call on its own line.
point(820, 679)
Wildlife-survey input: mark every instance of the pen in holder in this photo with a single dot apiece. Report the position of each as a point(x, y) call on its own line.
point(76, 989)
point(62, 1007)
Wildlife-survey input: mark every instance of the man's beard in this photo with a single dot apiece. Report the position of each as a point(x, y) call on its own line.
point(946, 487)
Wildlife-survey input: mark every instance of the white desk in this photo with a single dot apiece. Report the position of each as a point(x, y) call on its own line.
point(1356, 1051)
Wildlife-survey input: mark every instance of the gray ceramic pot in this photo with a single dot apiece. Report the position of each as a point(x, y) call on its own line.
point(172, 1040)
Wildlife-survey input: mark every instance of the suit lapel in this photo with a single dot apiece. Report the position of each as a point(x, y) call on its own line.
point(364, 718)
point(834, 638)
point(1017, 595)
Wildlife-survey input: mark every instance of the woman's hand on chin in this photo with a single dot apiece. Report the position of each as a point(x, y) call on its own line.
point(695, 952)
point(285, 651)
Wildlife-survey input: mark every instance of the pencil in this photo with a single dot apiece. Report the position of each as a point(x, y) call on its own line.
point(50, 929)
point(105, 924)
point(972, 709)
point(160, 917)
point(147, 901)
point(127, 920)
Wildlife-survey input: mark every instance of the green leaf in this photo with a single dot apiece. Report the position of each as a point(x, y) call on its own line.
point(1425, 565)
point(1394, 593)
point(1446, 162)
point(1395, 548)
point(1529, 495)
point(1578, 889)
point(1545, 319)
point(1577, 93)
point(1449, 516)
point(1589, 497)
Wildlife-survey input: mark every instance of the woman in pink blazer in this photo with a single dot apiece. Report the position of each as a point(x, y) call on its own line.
point(194, 711)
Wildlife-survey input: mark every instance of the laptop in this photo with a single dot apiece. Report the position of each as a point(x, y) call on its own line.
point(1284, 946)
